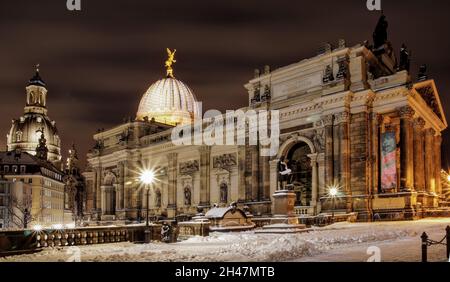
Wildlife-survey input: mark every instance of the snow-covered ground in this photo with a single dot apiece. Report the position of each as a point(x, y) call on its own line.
point(396, 241)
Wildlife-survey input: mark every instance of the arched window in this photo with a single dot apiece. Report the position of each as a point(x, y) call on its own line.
point(19, 136)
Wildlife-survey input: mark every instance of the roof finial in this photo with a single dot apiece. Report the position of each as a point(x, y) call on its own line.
point(37, 67)
point(170, 61)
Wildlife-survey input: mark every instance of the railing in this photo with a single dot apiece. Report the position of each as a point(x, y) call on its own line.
point(426, 242)
point(301, 210)
point(30, 240)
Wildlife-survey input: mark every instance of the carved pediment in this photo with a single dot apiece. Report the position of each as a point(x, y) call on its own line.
point(427, 90)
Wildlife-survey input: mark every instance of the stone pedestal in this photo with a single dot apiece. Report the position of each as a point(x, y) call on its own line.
point(284, 201)
point(284, 219)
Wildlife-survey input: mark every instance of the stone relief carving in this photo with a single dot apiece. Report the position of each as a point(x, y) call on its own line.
point(327, 120)
point(190, 167)
point(319, 139)
point(225, 161)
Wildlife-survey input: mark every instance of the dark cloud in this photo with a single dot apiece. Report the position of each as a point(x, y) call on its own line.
point(99, 62)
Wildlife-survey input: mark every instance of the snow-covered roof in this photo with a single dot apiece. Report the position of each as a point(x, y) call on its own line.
point(220, 212)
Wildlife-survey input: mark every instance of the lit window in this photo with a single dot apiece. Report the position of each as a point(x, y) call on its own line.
point(15, 169)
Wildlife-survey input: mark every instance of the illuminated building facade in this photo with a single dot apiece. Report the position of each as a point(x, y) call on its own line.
point(351, 118)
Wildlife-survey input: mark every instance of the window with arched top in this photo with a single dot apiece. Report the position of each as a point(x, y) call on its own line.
point(19, 136)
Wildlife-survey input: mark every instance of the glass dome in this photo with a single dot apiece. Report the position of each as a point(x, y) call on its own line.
point(169, 101)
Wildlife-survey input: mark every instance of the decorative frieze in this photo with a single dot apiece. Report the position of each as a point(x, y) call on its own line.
point(189, 167)
point(225, 161)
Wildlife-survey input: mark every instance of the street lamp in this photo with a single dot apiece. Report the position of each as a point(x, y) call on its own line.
point(147, 177)
point(333, 191)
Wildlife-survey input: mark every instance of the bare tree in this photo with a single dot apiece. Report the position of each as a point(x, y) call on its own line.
point(19, 211)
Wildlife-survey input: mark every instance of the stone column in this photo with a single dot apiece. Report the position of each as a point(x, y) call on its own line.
point(126, 188)
point(264, 173)
point(241, 173)
point(429, 160)
point(172, 184)
point(104, 200)
point(98, 175)
point(321, 174)
point(437, 163)
point(255, 173)
point(343, 119)
point(406, 149)
point(205, 164)
point(273, 176)
point(314, 180)
point(121, 197)
point(329, 173)
point(419, 158)
point(377, 121)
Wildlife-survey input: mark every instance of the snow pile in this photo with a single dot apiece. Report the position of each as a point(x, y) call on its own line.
point(251, 246)
point(289, 246)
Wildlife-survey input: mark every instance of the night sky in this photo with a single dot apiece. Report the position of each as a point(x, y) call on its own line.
point(98, 62)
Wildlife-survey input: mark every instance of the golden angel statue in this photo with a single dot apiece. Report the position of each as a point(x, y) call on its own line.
point(170, 61)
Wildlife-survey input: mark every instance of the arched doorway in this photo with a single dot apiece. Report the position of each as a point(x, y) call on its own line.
point(300, 164)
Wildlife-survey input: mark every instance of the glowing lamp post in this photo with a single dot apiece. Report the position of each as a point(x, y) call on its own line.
point(147, 178)
point(333, 191)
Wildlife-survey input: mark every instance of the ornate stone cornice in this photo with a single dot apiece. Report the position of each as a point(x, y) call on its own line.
point(406, 112)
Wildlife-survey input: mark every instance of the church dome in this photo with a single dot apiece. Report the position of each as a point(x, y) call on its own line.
point(169, 101)
point(26, 131)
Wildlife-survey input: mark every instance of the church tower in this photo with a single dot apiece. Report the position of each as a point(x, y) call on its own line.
point(34, 126)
